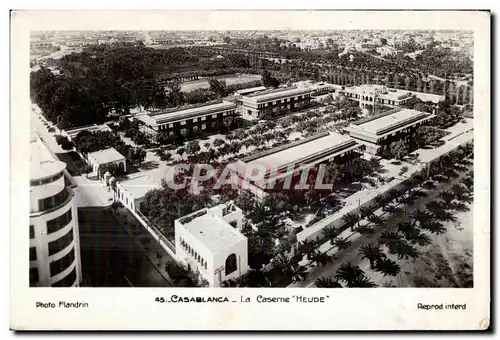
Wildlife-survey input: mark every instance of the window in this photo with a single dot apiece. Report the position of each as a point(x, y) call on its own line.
point(46, 180)
point(214, 116)
point(32, 231)
point(61, 243)
point(205, 265)
point(203, 126)
point(195, 120)
point(68, 281)
point(203, 118)
point(33, 276)
point(53, 201)
point(59, 222)
point(64, 262)
point(32, 253)
point(231, 264)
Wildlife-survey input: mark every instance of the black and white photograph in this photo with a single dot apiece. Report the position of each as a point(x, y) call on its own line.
point(254, 158)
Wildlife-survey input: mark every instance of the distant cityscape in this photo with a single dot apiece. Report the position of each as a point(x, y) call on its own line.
point(327, 159)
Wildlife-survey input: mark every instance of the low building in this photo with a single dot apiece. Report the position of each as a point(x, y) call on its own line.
point(377, 94)
point(185, 121)
point(106, 157)
point(377, 132)
point(322, 88)
point(275, 102)
point(54, 238)
point(210, 243)
point(288, 161)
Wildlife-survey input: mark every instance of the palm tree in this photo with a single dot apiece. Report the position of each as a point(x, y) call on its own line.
point(376, 220)
point(393, 209)
point(421, 216)
point(372, 253)
point(327, 282)
point(321, 259)
point(408, 229)
point(362, 282)
point(307, 247)
point(387, 267)
point(402, 249)
point(421, 239)
point(364, 229)
point(433, 227)
point(350, 219)
point(365, 211)
point(447, 196)
point(349, 273)
point(330, 233)
point(342, 243)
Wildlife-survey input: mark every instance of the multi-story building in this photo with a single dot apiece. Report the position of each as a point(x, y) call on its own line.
point(210, 242)
point(275, 102)
point(54, 252)
point(185, 121)
point(377, 132)
point(377, 94)
point(287, 162)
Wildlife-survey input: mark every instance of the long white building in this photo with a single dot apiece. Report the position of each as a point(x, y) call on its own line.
point(54, 252)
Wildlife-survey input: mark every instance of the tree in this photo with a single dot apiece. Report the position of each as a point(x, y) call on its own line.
point(403, 250)
point(193, 147)
point(330, 233)
point(226, 39)
point(268, 80)
point(218, 86)
point(352, 276)
point(350, 219)
point(372, 253)
point(387, 267)
point(307, 247)
point(433, 227)
point(327, 282)
point(342, 243)
point(321, 259)
point(383, 41)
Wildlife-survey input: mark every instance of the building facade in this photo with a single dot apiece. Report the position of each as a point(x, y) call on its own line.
point(377, 132)
point(287, 162)
point(54, 253)
point(275, 102)
point(377, 94)
point(107, 157)
point(209, 241)
point(185, 122)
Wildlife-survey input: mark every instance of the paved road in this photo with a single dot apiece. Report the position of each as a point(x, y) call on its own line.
point(110, 258)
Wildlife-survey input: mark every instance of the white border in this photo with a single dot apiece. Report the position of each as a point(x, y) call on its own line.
point(349, 308)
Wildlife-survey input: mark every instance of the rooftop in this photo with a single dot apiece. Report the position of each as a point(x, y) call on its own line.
point(163, 117)
point(213, 232)
point(381, 90)
point(139, 185)
point(278, 93)
point(106, 156)
point(390, 120)
point(300, 151)
point(251, 90)
point(42, 162)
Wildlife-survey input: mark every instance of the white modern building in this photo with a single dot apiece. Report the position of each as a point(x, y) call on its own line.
point(209, 241)
point(377, 132)
point(377, 94)
point(185, 121)
point(275, 102)
point(106, 157)
point(290, 160)
point(54, 254)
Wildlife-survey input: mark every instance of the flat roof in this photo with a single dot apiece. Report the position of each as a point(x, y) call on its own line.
point(279, 93)
point(301, 150)
point(213, 232)
point(146, 181)
point(250, 90)
point(42, 162)
point(390, 120)
point(388, 92)
point(106, 156)
point(190, 112)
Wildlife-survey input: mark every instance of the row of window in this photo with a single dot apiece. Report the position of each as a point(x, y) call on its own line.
point(64, 262)
point(46, 180)
point(61, 243)
point(59, 222)
point(53, 201)
point(202, 118)
point(187, 248)
point(282, 101)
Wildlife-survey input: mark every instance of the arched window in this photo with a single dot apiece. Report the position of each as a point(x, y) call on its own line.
point(231, 264)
